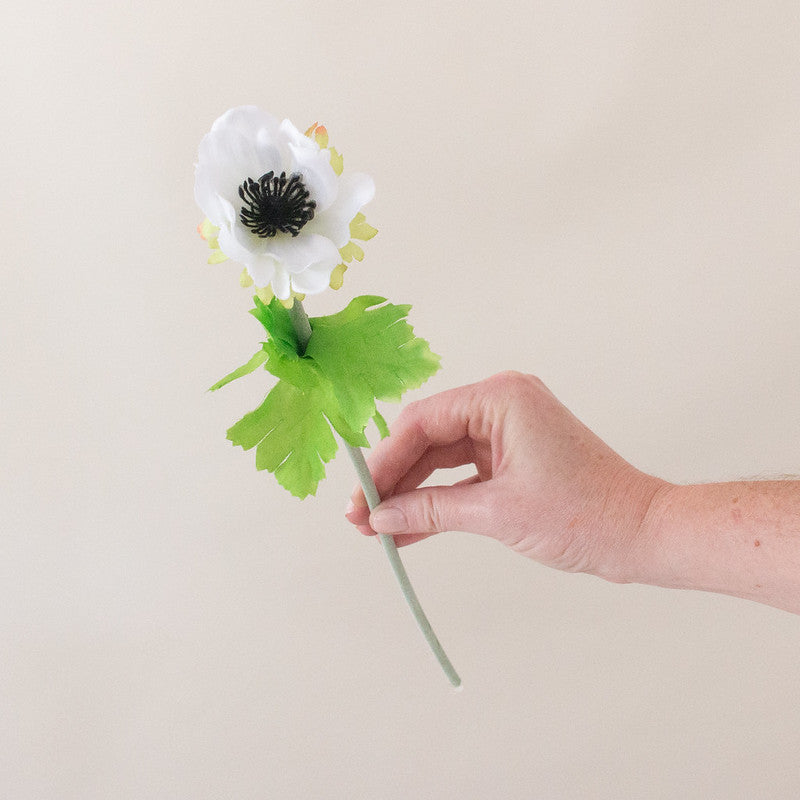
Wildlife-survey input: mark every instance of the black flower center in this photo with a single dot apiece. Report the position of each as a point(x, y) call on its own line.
point(275, 205)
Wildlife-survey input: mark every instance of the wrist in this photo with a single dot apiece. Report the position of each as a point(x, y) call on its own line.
point(740, 538)
point(631, 522)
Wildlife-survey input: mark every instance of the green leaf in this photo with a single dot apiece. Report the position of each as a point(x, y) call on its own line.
point(253, 364)
point(368, 351)
point(281, 345)
point(380, 424)
point(291, 431)
point(278, 324)
point(300, 372)
point(292, 438)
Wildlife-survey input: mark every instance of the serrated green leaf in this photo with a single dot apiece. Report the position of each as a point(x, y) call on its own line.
point(278, 324)
point(368, 351)
point(291, 435)
point(291, 429)
point(300, 372)
point(253, 364)
point(380, 424)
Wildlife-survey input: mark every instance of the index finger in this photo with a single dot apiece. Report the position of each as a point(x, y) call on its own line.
point(438, 421)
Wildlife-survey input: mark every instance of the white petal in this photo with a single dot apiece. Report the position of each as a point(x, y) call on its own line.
point(300, 252)
point(228, 212)
point(313, 280)
point(230, 244)
point(293, 137)
point(247, 240)
point(280, 283)
point(260, 267)
point(260, 129)
point(262, 270)
point(247, 120)
point(244, 142)
point(355, 191)
point(313, 164)
point(205, 196)
point(318, 176)
point(227, 158)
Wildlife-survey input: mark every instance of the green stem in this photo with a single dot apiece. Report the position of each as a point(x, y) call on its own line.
point(300, 323)
point(303, 329)
point(389, 546)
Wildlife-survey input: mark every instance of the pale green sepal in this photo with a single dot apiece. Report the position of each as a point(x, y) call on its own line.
point(245, 280)
point(337, 276)
point(337, 162)
point(208, 231)
point(253, 364)
point(217, 257)
point(351, 251)
point(360, 229)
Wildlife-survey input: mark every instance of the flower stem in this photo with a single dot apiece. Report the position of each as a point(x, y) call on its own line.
point(390, 548)
point(303, 329)
point(300, 323)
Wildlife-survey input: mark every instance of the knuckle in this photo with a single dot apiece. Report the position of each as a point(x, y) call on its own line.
point(410, 414)
point(510, 522)
point(513, 382)
point(430, 514)
point(410, 409)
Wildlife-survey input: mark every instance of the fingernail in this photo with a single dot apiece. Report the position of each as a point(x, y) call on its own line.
point(351, 507)
point(388, 520)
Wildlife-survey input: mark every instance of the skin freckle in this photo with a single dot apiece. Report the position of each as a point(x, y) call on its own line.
point(756, 543)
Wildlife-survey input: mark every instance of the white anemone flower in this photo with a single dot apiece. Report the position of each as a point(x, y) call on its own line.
point(280, 207)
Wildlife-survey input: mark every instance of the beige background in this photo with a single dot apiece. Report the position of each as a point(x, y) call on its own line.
point(604, 194)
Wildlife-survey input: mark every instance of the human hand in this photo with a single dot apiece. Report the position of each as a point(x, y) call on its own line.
point(545, 486)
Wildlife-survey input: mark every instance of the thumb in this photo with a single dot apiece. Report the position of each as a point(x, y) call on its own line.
point(433, 509)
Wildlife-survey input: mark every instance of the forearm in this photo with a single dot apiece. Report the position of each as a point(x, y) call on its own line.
point(741, 539)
